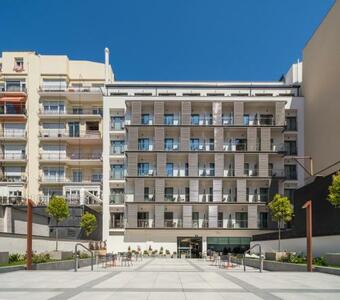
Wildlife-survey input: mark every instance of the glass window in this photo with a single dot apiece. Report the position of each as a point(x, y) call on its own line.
point(117, 147)
point(195, 119)
point(117, 171)
point(143, 169)
point(246, 119)
point(168, 119)
point(290, 172)
point(145, 118)
point(169, 169)
point(290, 147)
point(168, 144)
point(291, 123)
point(117, 123)
point(143, 144)
point(194, 144)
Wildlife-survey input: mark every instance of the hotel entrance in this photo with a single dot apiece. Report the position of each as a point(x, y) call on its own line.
point(189, 247)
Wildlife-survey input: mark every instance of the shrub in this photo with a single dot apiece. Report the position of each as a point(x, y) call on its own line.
point(40, 258)
point(319, 261)
point(88, 222)
point(15, 257)
point(84, 255)
point(167, 252)
point(146, 252)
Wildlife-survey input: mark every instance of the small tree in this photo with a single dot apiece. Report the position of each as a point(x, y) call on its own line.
point(88, 222)
point(58, 209)
point(282, 212)
point(334, 190)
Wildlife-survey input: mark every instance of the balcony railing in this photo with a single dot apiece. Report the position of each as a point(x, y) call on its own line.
point(117, 224)
point(13, 133)
point(71, 156)
point(235, 147)
point(81, 179)
point(259, 121)
point(201, 121)
point(117, 175)
point(92, 112)
point(14, 88)
point(143, 223)
point(241, 224)
point(46, 133)
point(13, 110)
point(71, 89)
point(229, 198)
point(206, 172)
point(175, 146)
point(13, 156)
point(13, 178)
point(227, 120)
point(117, 198)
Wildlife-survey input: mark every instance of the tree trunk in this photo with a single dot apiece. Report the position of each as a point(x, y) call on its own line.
point(56, 237)
point(279, 227)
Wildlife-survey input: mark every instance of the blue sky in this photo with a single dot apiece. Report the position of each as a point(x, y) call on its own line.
point(168, 39)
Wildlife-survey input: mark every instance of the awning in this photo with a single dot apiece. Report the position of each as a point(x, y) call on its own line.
point(13, 99)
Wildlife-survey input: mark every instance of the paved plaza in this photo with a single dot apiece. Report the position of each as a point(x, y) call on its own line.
point(157, 278)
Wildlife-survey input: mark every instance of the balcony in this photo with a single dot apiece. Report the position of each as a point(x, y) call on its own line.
point(201, 121)
point(227, 120)
point(258, 121)
point(19, 88)
point(241, 147)
point(72, 158)
point(171, 146)
point(14, 134)
point(117, 175)
point(143, 223)
point(240, 224)
point(117, 198)
point(13, 156)
point(117, 224)
point(95, 113)
point(172, 120)
point(65, 134)
point(206, 172)
point(202, 146)
point(171, 223)
point(13, 178)
point(94, 179)
point(72, 93)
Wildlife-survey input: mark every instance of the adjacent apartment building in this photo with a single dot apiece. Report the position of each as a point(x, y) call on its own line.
point(190, 166)
point(51, 127)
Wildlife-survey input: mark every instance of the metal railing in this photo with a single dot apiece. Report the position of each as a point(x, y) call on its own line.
point(117, 198)
point(13, 178)
point(93, 112)
point(71, 89)
point(13, 133)
point(143, 223)
point(76, 257)
point(47, 133)
point(13, 156)
point(248, 251)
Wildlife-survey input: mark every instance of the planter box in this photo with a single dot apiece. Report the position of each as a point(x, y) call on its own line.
point(333, 259)
point(60, 255)
point(276, 256)
point(4, 257)
point(12, 268)
point(62, 265)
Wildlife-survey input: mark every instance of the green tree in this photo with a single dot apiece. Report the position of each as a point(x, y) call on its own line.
point(282, 212)
point(58, 209)
point(88, 222)
point(334, 190)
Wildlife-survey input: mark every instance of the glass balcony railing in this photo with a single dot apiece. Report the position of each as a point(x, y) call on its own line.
point(143, 223)
point(13, 156)
point(241, 224)
point(117, 198)
point(196, 120)
point(13, 133)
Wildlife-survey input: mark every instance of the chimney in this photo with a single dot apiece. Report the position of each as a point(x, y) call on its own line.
point(107, 65)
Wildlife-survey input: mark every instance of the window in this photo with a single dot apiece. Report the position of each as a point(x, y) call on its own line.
point(143, 144)
point(143, 169)
point(246, 169)
point(168, 144)
point(241, 220)
point(246, 119)
point(73, 128)
point(146, 193)
point(291, 123)
point(18, 64)
point(194, 144)
point(169, 194)
point(117, 147)
point(290, 172)
point(241, 144)
point(195, 119)
point(77, 176)
point(266, 119)
point(195, 219)
point(13, 85)
point(117, 171)
point(54, 107)
point(169, 169)
point(54, 85)
point(53, 174)
point(263, 220)
point(290, 194)
point(92, 126)
point(168, 119)
point(77, 110)
point(264, 194)
point(117, 123)
point(145, 119)
point(290, 147)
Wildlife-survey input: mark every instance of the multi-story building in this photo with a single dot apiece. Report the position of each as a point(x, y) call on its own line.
point(51, 127)
point(191, 165)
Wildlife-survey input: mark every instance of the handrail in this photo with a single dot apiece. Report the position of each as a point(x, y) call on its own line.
point(76, 256)
point(261, 259)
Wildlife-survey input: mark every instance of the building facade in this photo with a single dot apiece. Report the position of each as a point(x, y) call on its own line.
point(191, 166)
point(50, 127)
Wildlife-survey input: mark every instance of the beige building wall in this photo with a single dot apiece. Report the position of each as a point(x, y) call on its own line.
point(321, 88)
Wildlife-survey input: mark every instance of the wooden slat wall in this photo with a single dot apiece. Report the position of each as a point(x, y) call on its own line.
point(132, 164)
point(279, 113)
point(159, 112)
point(133, 139)
point(161, 162)
point(238, 112)
point(193, 164)
point(132, 216)
point(193, 185)
point(139, 189)
point(186, 113)
point(159, 138)
point(218, 138)
point(159, 216)
point(252, 216)
point(265, 139)
point(251, 138)
point(213, 216)
point(263, 165)
point(185, 138)
point(219, 164)
point(217, 190)
point(239, 164)
point(217, 113)
point(187, 216)
point(136, 111)
point(159, 189)
point(241, 185)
